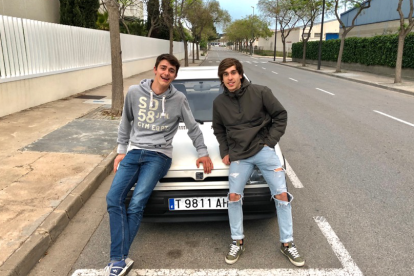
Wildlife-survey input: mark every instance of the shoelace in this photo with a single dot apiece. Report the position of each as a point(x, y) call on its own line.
point(234, 249)
point(294, 252)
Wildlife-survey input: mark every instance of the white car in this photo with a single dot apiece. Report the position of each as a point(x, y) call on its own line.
point(186, 193)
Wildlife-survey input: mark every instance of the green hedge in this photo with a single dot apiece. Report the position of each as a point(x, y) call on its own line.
point(377, 50)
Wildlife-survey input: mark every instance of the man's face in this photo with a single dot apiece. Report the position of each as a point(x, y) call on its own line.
point(232, 78)
point(165, 73)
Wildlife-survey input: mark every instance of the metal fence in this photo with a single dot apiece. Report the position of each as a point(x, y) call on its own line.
point(30, 48)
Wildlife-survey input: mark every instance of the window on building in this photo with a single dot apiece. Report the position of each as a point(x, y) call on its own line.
point(317, 35)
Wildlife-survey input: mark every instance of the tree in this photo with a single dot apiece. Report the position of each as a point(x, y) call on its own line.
point(81, 13)
point(90, 12)
point(257, 28)
point(237, 32)
point(116, 57)
point(183, 6)
point(358, 4)
point(202, 17)
point(154, 18)
point(284, 11)
point(308, 11)
point(123, 6)
point(404, 30)
point(168, 18)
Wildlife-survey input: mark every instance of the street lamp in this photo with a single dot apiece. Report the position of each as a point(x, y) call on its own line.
point(320, 38)
point(253, 31)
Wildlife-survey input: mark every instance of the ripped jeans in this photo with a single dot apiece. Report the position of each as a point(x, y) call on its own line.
point(269, 164)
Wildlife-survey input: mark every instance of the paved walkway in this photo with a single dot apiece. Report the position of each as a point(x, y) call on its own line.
point(55, 155)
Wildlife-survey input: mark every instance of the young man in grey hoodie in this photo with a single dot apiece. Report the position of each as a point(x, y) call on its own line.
point(150, 119)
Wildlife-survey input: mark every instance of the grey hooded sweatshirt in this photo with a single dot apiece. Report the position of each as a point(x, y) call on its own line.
point(150, 121)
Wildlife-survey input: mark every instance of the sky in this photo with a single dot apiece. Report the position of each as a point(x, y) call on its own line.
point(242, 8)
point(239, 8)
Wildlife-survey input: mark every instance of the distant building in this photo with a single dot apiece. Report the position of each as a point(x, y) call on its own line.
point(41, 10)
point(330, 30)
point(380, 19)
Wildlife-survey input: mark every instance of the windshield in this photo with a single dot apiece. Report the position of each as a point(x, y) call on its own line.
point(200, 95)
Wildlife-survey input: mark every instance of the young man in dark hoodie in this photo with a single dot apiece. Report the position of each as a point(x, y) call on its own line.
point(248, 122)
point(150, 119)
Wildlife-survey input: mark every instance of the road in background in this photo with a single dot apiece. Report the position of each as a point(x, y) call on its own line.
point(351, 147)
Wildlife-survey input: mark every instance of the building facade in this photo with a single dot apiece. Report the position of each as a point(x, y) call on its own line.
point(381, 18)
point(40, 10)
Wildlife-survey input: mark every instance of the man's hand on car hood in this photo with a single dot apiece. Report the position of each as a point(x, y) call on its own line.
point(207, 164)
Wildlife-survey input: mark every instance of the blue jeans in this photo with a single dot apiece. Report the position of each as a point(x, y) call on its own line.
point(270, 166)
point(145, 168)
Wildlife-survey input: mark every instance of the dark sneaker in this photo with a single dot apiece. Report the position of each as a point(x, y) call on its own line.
point(120, 268)
point(236, 249)
point(291, 252)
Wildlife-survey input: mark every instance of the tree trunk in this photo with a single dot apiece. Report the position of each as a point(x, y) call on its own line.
point(305, 42)
point(116, 58)
point(284, 52)
point(185, 54)
point(400, 52)
point(171, 39)
point(193, 53)
point(198, 52)
point(341, 51)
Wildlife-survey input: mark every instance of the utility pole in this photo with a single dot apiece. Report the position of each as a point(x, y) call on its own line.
point(320, 38)
point(253, 32)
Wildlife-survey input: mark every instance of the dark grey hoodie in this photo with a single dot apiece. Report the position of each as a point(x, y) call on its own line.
point(150, 121)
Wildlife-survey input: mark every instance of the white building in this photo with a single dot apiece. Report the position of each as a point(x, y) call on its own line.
point(40, 10)
point(330, 28)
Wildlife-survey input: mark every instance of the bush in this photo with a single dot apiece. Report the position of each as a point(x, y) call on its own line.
point(377, 50)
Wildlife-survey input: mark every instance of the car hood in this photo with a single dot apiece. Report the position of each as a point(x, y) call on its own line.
point(185, 154)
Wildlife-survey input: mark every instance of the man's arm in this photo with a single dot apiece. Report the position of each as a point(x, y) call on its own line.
point(124, 131)
point(279, 117)
point(196, 136)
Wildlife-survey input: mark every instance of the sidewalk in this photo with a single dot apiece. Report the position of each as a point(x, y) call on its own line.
point(54, 156)
point(386, 82)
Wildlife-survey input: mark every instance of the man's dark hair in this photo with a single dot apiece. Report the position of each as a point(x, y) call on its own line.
point(227, 63)
point(171, 59)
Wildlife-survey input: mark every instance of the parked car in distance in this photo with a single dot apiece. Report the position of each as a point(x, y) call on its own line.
point(186, 193)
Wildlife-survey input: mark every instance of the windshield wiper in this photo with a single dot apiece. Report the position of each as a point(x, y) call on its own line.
point(199, 121)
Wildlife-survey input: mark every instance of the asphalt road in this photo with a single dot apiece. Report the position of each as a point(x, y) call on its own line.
point(350, 145)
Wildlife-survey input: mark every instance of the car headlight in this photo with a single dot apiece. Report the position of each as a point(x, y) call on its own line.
point(256, 177)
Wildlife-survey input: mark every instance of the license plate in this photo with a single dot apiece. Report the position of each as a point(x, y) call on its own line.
point(197, 203)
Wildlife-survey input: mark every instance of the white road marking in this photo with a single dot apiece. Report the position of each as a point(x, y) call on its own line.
point(274, 72)
point(338, 248)
point(255, 61)
point(210, 61)
point(399, 120)
point(255, 65)
point(263, 68)
point(217, 61)
point(293, 79)
point(293, 177)
point(349, 267)
point(325, 91)
point(248, 62)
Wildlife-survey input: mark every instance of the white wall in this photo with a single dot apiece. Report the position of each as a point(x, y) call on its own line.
point(42, 62)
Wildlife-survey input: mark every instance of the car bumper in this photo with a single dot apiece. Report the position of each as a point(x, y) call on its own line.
point(257, 204)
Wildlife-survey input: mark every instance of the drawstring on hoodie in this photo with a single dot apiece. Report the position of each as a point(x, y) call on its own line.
point(151, 99)
point(163, 107)
point(152, 103)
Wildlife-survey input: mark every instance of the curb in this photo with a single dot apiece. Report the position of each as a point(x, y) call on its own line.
point(350, 79)
point(33, 249)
